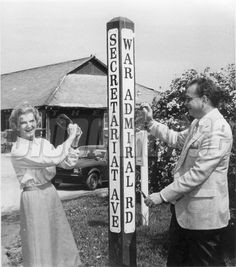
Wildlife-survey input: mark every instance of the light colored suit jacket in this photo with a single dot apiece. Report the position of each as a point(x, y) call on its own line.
point(200, 188)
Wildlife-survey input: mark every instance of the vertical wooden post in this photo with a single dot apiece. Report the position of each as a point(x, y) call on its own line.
point(142, 161)
point(47, 125)
point(144, 180)
point(121, 106)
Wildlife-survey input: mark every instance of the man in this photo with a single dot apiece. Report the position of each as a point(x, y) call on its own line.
point(199, 192)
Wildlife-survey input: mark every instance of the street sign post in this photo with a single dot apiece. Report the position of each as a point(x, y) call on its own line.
point(121, 106)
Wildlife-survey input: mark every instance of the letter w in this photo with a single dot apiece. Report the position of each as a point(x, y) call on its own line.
point(127, 43)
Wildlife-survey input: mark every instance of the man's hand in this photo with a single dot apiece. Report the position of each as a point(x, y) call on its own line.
point(153, 200)
point(147, 111)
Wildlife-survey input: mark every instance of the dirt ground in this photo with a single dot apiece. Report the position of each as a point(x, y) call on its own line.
point(10, 227)
point(10, 230)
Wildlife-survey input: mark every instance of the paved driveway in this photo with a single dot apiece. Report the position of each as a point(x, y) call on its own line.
point(10, 189)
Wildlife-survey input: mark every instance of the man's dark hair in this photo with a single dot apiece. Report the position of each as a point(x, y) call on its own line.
point(207, 87)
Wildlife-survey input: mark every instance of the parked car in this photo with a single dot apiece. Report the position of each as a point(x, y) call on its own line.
point(91, 168)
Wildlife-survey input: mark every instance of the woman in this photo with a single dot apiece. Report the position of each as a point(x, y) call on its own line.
point(46, 236)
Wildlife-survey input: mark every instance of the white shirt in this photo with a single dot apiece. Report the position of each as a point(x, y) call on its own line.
point(35, 161)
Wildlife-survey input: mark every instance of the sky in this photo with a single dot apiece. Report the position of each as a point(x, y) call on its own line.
point(171, 36)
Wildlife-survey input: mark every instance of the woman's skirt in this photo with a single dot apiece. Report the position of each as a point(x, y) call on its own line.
point(46, 236)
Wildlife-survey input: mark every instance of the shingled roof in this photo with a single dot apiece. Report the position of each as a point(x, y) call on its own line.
point(94, 96)
point(57, 85)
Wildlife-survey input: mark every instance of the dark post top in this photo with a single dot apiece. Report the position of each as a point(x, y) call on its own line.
point(120, 22)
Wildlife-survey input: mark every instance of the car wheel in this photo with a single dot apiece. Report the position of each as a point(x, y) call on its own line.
point(92, 181)
point(56, 184)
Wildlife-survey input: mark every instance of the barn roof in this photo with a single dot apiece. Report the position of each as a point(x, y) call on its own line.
point(57, 85)
point(94, 96)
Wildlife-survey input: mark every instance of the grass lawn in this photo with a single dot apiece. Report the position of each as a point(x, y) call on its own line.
point(89, 221)
point(88, 217)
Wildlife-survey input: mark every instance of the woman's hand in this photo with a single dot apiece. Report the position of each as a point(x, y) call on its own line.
point(77, 138)
point(75, 133)
point(78, 131)
point(72, 130)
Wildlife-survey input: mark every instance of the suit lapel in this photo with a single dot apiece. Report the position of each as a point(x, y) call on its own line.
point(194, 135)
point(205, 127)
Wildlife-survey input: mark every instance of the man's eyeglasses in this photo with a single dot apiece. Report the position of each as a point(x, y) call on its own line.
point(189, 99)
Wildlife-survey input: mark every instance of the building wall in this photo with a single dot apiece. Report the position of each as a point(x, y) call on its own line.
point(89, 120)
point(5, 114)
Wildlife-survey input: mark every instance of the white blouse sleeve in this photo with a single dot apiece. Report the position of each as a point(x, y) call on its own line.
point(40, 155)
point(71, 159)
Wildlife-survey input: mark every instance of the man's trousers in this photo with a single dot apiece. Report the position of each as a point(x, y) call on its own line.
point(194, 247)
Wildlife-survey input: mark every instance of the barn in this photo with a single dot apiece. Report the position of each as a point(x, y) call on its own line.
point(77, 88)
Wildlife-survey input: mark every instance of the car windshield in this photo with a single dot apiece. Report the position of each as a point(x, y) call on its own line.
point(92, 152)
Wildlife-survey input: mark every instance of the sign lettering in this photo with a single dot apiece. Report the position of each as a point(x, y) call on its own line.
point(114, 131)
point(128, 129)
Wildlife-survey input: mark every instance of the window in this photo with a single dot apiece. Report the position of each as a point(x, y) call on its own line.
point(105, 120)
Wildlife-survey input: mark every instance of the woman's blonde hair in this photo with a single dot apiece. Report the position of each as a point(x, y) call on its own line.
point(22, 109)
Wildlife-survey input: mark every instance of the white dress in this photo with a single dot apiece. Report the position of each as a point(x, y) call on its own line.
point(46, 235)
